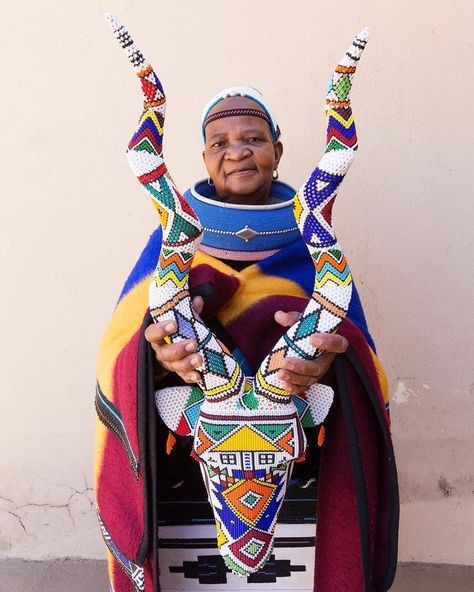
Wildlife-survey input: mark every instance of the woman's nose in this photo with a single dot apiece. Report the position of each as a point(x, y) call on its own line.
point(237, 151)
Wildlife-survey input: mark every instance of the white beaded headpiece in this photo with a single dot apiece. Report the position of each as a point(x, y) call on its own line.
point(241, 90)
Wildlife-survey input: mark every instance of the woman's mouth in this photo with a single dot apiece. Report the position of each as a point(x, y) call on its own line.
point(241, 172)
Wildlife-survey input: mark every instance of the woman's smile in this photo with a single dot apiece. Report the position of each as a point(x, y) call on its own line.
point(241, 172)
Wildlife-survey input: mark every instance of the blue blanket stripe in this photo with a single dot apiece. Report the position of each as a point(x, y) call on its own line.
point(146, 263)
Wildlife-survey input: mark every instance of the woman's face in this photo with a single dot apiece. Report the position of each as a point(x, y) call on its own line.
point(240, 154)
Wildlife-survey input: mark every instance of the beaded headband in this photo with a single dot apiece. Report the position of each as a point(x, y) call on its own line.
point(241, 91)
point(236, 113)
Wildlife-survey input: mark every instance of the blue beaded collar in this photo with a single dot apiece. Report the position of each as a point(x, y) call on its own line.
point(241, 232)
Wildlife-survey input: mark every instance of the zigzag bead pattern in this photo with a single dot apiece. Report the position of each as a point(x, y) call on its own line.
point(247, 431)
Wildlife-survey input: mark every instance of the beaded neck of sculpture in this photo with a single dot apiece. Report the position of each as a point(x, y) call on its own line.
point(243, 232)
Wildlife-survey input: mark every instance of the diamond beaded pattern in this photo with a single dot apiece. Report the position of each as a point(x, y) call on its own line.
point(247, 431)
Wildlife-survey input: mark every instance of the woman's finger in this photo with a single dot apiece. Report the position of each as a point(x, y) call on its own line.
point(198, 304)
point(286, 319)
point(190, 377)
point(156, 332)
point(305, 372)
point(174, 352)
point(186, 364)
point(296, 379)
point(330, 342)
point(308, 367)
point(294, 389)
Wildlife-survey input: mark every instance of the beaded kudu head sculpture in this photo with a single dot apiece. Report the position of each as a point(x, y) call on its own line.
point(247, 431)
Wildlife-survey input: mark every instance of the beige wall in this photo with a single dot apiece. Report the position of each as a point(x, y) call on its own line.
point(73, 220)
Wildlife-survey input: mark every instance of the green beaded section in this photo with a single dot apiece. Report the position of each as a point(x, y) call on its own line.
point(215, 362)
point(233, 566)
point(249, 400)
point(253, 549)
point(334, 144)
point(343, 87)
point(272, 430)
point(250, 499)
point(183, 254)
point(195, 395)
point(217, 432)
point(145, 146)
point(307, 325)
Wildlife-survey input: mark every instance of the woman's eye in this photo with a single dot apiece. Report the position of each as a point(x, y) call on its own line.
point(217, 144)
point(253, 139)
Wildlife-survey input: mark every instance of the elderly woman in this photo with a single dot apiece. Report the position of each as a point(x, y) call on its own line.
point(250, 279)
point(242, 153)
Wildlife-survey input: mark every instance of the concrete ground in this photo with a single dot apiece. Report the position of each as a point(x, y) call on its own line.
point(73, 575)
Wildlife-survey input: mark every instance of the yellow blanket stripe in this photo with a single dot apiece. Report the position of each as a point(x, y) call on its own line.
point(381, 376)
point(254, 285)
point(126, 320)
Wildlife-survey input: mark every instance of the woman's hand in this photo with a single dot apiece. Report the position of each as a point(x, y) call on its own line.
point(297, 375)
point(176, 357)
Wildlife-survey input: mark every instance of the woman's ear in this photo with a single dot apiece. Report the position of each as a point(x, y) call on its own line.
point(278, 147)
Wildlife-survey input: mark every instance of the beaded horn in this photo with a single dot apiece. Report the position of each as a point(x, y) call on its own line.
point(247, 431)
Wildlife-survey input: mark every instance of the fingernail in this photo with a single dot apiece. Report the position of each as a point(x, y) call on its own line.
point(189, 347)
point(195, 377)
point(170, 327)
point(283, 375)
point(195, 360)
point(316, 341)
point(289, 365)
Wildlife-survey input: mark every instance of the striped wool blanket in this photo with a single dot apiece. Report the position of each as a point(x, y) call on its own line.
point(358, 496)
